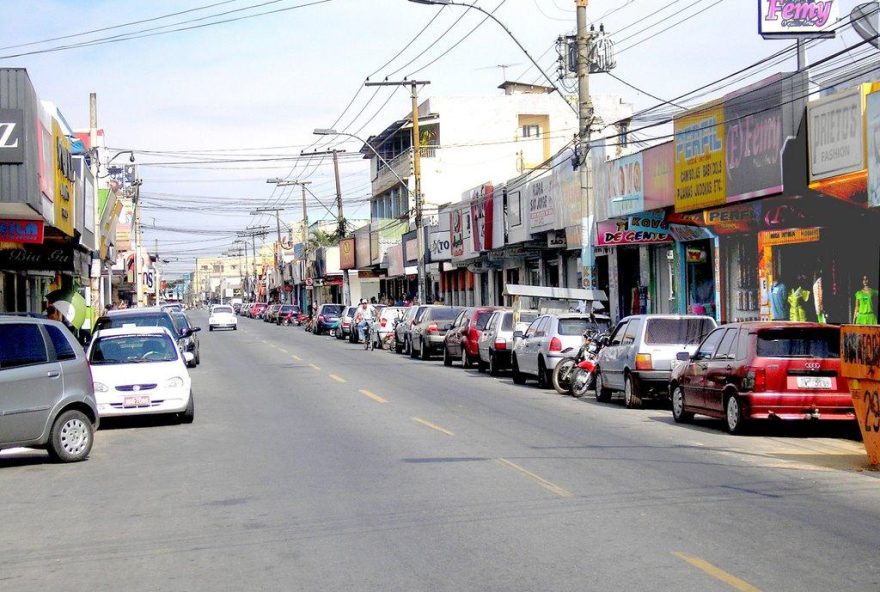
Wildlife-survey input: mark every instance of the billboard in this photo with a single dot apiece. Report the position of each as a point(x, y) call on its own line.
point(835, 136)
point(658, 172)
point(65, 177)
point(789, 19)
point(613, 233)
point(625, 186)
point(699, 159)
point(481, 200)
point(347, 259)
point(542, 211)
point(873, 117)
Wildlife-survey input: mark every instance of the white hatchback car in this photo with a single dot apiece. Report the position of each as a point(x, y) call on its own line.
point(222, 316)
point(140, 371)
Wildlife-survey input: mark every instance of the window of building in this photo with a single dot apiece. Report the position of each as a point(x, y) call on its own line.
point(532, 130)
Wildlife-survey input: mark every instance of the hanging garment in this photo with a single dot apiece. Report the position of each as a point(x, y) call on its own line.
point(818, 300)
point(865, 314)
point(796, 311)
point(778, 305)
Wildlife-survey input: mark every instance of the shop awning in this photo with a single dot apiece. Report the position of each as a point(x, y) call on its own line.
point(554, 293)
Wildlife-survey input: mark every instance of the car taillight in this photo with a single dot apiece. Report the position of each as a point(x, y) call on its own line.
point(383, 322)
point(432, 328)
point(755, 380)
point(555, 345)
point(500, 344)
point(644, 362)
point(320, 317)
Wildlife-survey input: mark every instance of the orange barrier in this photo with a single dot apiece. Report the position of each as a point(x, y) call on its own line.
point(860, 364)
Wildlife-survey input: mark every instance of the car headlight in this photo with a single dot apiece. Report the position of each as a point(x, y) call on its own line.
point(175, 382)
point(100, 387)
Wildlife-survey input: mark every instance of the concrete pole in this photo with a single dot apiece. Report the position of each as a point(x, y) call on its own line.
point(585, 117)
point(95, 296)
point(340, 215)
point(417, 174)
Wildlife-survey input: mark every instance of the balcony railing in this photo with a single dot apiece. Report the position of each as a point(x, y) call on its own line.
point(401, 166)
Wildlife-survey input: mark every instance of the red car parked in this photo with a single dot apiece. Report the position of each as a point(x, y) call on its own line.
point(463, 339)
point(763, 370)
point(257, 310)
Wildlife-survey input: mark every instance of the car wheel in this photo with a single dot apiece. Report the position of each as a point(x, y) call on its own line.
point(733, 417)
point(678, 412)
point(424, 354)
point(544, 378)
point(603, 395)
point(398, 347)
point(412, 350)
point(631, 393)
point(518, 377)
point(210, 328)
point(481, 365)
point(407, 347)
point(465, 360)
point(493, 365)
point(235, 328)
point(191, 364)
point(447, 360)
point(71, 437)
point(188, 414)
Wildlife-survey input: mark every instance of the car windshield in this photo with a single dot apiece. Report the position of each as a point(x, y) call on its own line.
point(132, 349)
point(350, 311)
point(483, 318)
point(332, 309)
point(154, 320)
point(578, 326)
point(289, 308)
point(222, 310)
point(677, 331)
point(799, 343)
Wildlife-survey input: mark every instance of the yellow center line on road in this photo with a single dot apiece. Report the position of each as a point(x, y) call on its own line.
point(283, 350)
point(373, 396)
point(560, 491)
point(337, 378)
point(433, 426)
point(315, 367)
point(297, 358)
point(717, 573)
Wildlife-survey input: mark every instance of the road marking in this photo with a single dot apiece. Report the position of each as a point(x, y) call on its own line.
point(560, 491)
point(717, 573)
point(433, 426)
point(337, 378)
point(373, 396)
point(283, 350)
point(315, 367)
point(297, 358)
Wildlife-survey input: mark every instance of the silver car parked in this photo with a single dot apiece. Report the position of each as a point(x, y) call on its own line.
point(537, 351)
point(640, 354)
point(496, 340)
point(47, 399)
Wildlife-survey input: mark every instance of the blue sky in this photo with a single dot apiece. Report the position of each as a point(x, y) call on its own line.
point(269, 81)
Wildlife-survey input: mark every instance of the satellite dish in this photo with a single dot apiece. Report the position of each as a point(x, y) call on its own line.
point(864, 21)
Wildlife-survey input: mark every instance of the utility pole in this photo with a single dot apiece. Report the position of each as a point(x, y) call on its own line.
point(585, 120)
point(277, 250)
point(340, 217)
point(95, 299)
point(156, 269)
point(138, 280)
point(417, 174)
point(253, 232)
point(305, 231)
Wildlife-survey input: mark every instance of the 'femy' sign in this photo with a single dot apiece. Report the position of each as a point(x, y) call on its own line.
point(797, 18)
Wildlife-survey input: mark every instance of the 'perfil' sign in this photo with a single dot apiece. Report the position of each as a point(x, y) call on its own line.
point(797, 18)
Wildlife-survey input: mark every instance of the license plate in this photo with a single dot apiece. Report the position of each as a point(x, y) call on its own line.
point(136, 401)
point(814, 382)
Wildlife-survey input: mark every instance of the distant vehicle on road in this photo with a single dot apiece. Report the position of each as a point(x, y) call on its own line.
point(46, 395)
point(222, 317)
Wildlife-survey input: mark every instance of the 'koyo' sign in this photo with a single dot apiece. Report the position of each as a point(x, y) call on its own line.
point(797, 18)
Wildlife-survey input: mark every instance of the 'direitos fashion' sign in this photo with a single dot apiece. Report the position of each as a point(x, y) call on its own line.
point(699, 160)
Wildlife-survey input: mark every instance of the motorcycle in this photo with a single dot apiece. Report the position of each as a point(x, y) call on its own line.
point(566, 370)
point(584, 377)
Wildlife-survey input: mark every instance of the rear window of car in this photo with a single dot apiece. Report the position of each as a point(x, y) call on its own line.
point(288, 308)
point(524, 317)
point(137, 321)
point(577, 326)
point(444, 314)
point(222, 310)
point(333, 309)
point(677, 331)
point(799, 343)
point(483, 318)
point(21, 344)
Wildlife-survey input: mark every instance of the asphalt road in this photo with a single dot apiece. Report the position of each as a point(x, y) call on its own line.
point(314, 465)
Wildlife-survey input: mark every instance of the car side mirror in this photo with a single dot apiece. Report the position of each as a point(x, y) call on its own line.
point(518, 335)
point(683, 356)
point(196, 329)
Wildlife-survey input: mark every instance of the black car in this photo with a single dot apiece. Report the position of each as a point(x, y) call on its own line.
point(191, 341)
point(327, 317)
point(145, 317)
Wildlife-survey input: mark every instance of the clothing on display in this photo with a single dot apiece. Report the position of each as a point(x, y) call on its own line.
point(795, 304)
point(818, 302)
point(865, 313)
point(778, 304)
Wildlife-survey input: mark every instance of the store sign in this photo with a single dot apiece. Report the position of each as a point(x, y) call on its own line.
point(835, 135)
point(459, 223)
point(797, 18)
point(21, 231)
point(659, 176)
point(612, 233)
point(754, 140)
point(347, 259)
point(64, 181)
point(41, 258)
point(770, 238)
point(699, 160)
point(11, 136)
point(733, 219)
point(683, 234)
point(625, 183)
point(481, 202)
point(556, 240)
point(872, 113)
point(439, 243)
point(652, 221)
point(542, 213)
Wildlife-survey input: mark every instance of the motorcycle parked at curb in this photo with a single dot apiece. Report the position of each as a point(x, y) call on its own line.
point(566, 370)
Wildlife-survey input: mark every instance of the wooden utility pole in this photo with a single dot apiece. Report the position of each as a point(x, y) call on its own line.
point(340, 218)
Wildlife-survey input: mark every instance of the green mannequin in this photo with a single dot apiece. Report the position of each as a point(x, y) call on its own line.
point(864, 313)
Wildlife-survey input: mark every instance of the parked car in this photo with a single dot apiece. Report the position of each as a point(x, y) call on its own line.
point(46, 395)
point(640, 354)
point(245, 309)
point(388, 316)
point(222, 317)
point(462, 342)
point(138, 371)
point(175, 307)
point(496, 340)
point(763, 370)
point(150, 316)
point(256, 311)
point(404, 327)
point(429, 330)
point(190, 335)
point(327, 318)
point(287, 314)
point(345, 321)
point(269, 314)
point(537, 351)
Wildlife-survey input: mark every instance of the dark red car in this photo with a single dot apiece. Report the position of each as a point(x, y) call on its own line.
point(462, 340)
point(257, 310)
point(763, 370)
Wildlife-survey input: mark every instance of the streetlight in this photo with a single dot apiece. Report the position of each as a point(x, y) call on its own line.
point(420, 231)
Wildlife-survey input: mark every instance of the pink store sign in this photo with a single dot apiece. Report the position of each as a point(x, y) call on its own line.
point(613, 233)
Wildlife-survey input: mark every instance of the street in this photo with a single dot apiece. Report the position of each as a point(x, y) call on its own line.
point(314, 465)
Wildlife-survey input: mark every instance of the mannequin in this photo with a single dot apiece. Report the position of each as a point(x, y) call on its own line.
point(818, 298)
point(865, 313)
point(778, 305)
point(795, 298)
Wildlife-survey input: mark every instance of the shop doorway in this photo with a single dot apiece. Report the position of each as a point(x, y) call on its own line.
point(629, 279)
point(700, 277)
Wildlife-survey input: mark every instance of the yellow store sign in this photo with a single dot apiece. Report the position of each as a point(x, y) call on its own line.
point(699, 160)
point(64, 181)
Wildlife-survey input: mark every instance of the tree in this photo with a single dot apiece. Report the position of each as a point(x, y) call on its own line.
point(322, 238)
